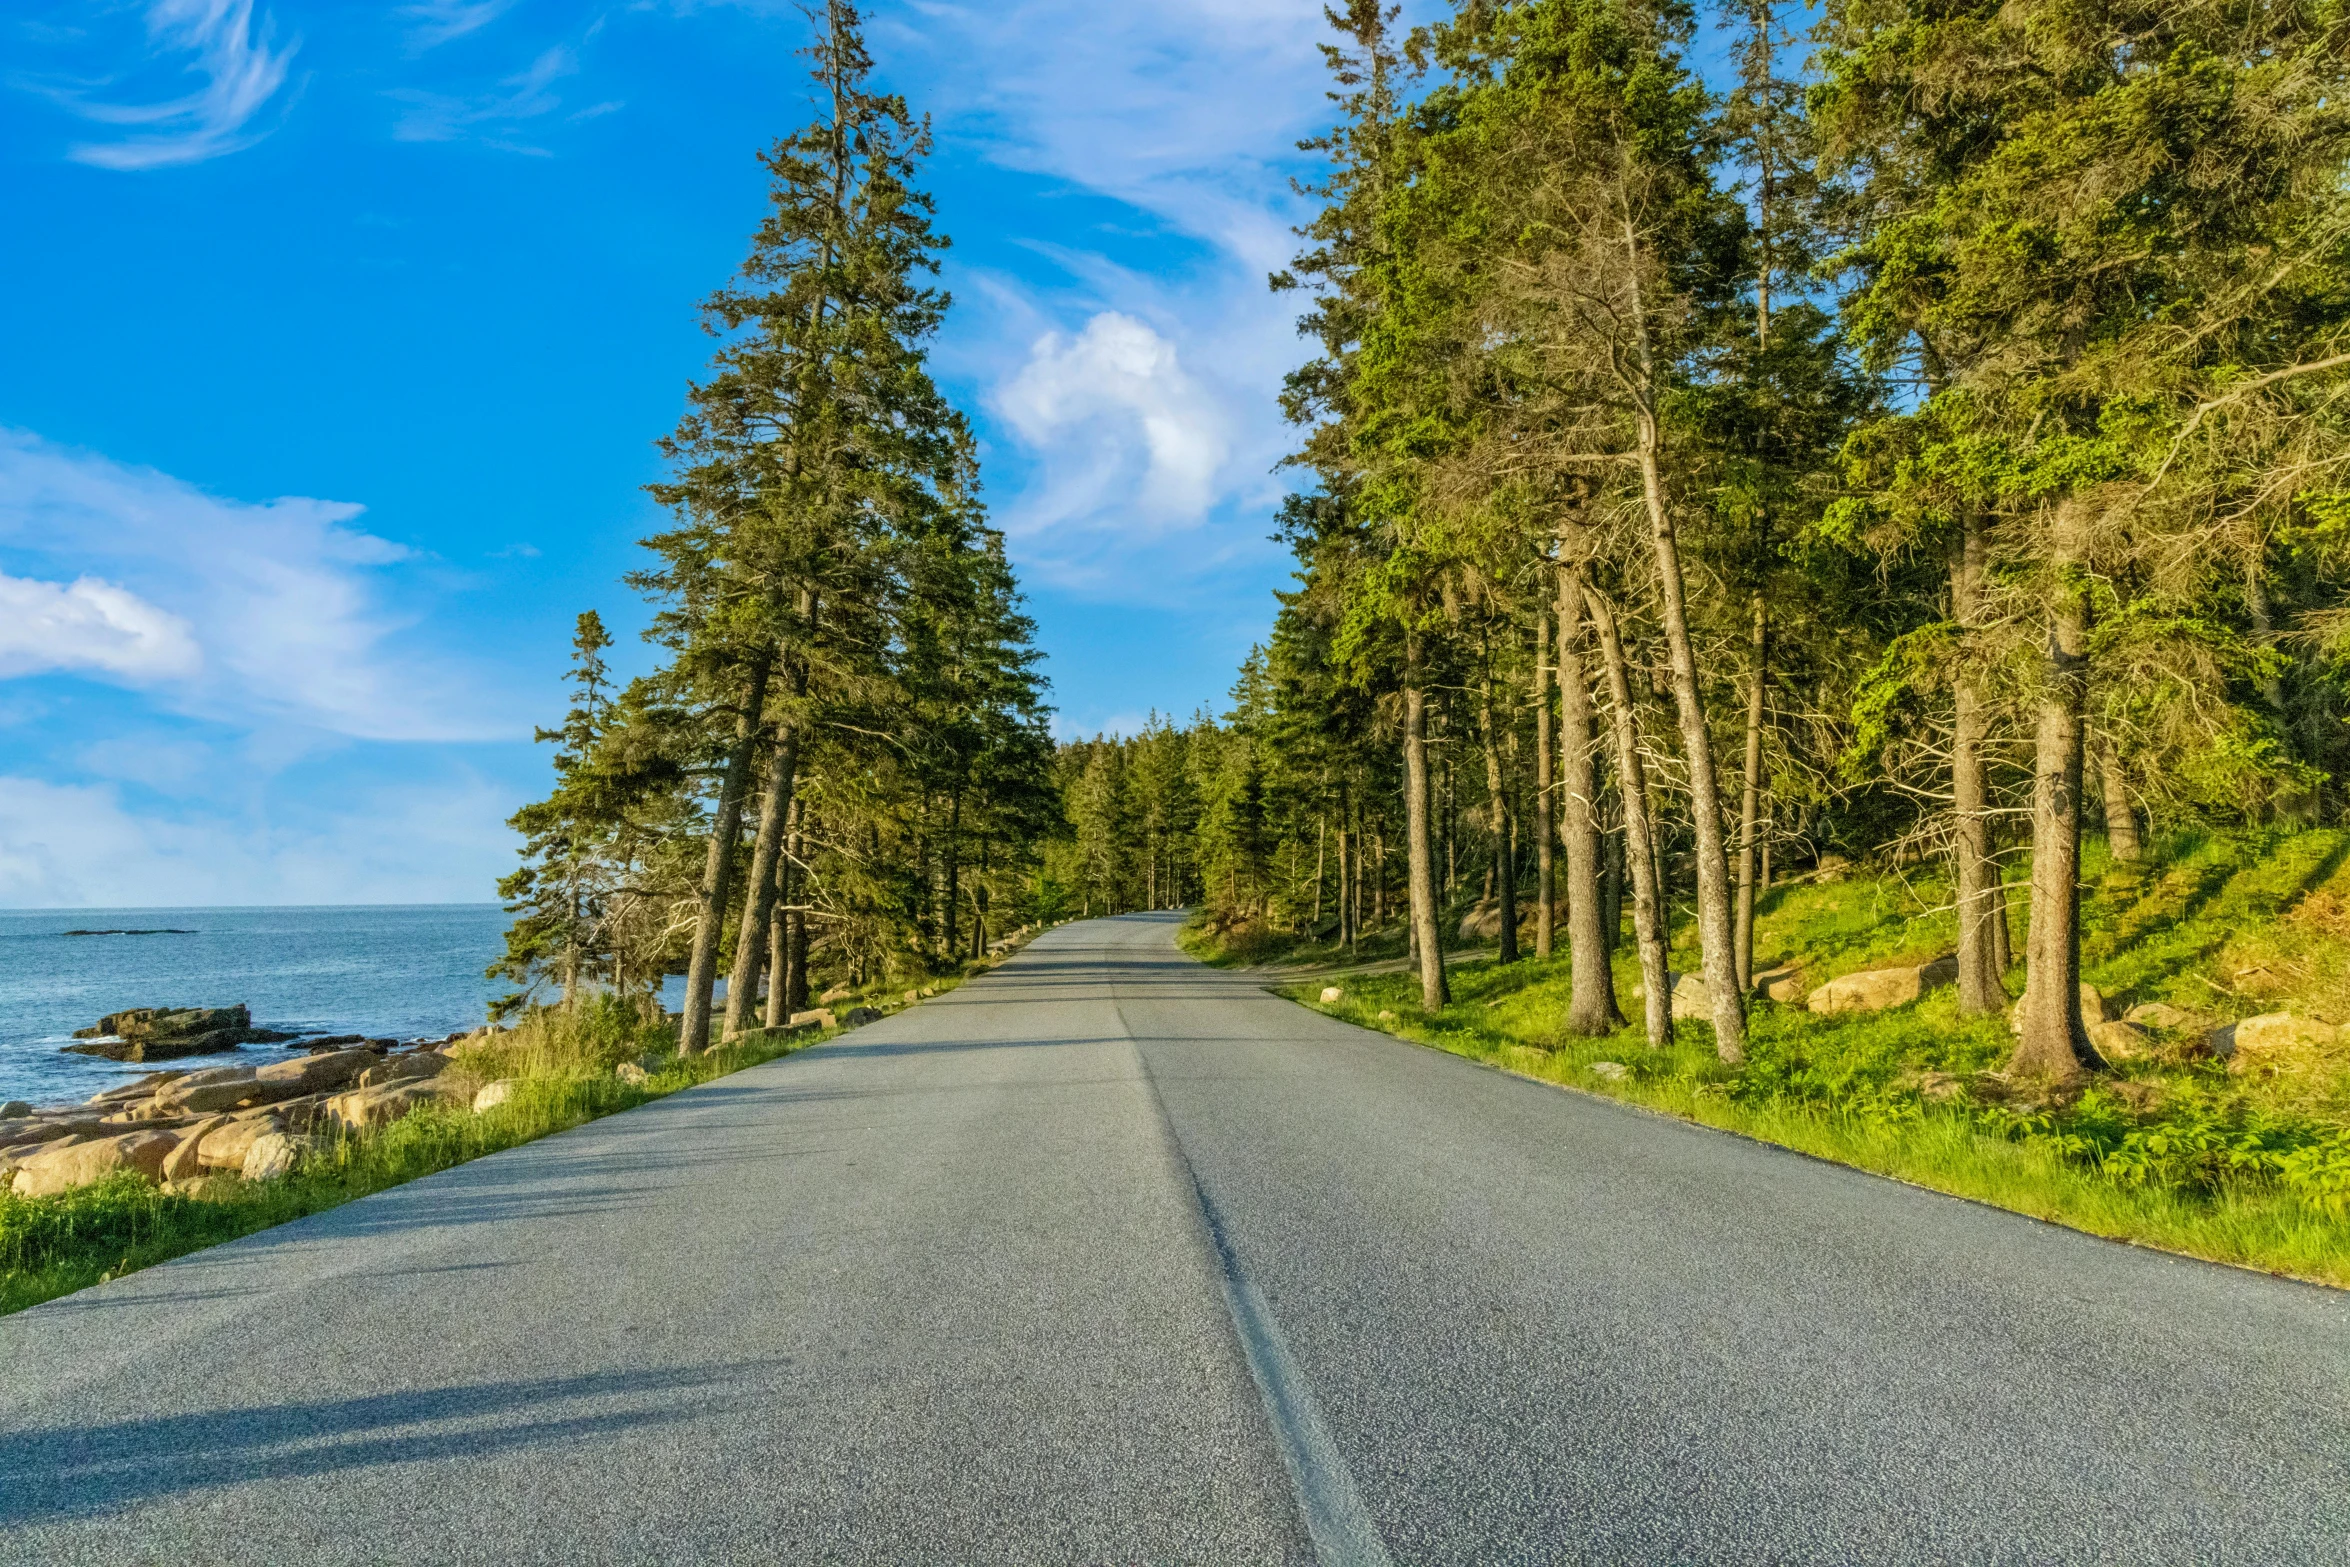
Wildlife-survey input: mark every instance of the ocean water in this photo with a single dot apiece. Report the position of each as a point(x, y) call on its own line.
point(402, 973)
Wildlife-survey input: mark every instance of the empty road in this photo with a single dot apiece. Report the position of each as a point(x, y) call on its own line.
point(1108, 1257)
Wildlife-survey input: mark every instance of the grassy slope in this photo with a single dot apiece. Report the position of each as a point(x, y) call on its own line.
point(2166, 1150)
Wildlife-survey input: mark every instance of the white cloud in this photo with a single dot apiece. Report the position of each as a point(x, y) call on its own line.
point(1146, 402)
point(436, 22)
point(275, 603)
point(78, 846)
point(89, 624)
point(1093, 402)
point(241, 73)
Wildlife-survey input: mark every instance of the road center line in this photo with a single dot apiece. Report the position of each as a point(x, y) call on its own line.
point(1337, 1523)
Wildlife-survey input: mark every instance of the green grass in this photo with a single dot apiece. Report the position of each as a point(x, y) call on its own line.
point(51, 1246)
point(2164, 1150)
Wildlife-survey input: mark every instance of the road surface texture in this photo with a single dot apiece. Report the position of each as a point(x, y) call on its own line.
point(1111, 1258)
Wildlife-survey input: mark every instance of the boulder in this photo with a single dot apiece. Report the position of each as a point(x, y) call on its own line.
point(2162, 1015)
point(858, 1017)
point(276, 1155)
point(493, 1095)
point(164, 1033)
point(1691, 1000)
point(836, 993)
point(15, 1110)
point(183, 1163)
point(821, 1017)
point(1331, 995)
point(1386, 1016)
point(1873, 990)
point(1832, 868)
point(1613, 1071)
point(2272, 1039)
point(400, 1069)
point(912, 996)
point(313, 1074)
point(2095, 1009)
point(225, 1147)
point(379, 1104)
point(1783, 984)
point(2119, 1040)
point(633, 1075)
point(61, 1169)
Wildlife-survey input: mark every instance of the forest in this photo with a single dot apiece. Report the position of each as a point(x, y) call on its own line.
point(1923, 453)
point(1920, 451)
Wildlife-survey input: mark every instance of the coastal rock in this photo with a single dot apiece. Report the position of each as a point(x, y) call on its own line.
point(379, 1104)
point(225, 1147)
point(50, 1129)
point(183, 1163)
point(1331, 995)
point(399, 1069)
point(61, 1169)
point(222, 1088)
point(276, 1155)
point(858, 1017)
point(15, 1110)
point(493, 1095)
point(315, 1073)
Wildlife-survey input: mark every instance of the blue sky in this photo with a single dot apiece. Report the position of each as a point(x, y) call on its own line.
point(337, 337)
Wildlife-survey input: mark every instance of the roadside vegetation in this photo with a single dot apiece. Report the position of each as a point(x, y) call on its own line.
point(2242, 1159)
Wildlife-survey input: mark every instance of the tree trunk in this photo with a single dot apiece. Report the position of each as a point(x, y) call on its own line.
point(1611, 889)
point(796, 988)
point(751, 943)
point(779, 925)
point(1705, 803)
point(1639, 835)
point(2053, 1040)
point(701, 975)
point(1982, 904)
point(1545, 779)
point(1750, 797)
point(1591, 996)
point(953, 911)
point(2121, 826)
point(1505, 867)
point(1429, 950)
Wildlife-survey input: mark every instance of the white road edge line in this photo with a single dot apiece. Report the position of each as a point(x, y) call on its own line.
point(1336, 1521)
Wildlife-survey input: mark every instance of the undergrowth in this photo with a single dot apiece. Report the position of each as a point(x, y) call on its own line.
point(2169, 1149)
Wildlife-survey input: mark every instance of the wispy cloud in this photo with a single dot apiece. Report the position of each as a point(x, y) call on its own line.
point(436, 22)
point(527, 95)
point(259, 615)
point(241, 72)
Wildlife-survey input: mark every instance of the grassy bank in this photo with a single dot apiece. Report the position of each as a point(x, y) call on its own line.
point(2243, 1162)
point(563, 1071)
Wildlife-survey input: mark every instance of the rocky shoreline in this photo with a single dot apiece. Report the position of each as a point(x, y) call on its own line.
point(179, 1125)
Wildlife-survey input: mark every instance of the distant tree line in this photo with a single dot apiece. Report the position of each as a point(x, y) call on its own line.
point(1931, 447)
point(840, 767)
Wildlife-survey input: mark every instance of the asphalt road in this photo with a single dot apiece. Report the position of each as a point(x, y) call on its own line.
point(1111, 1258)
